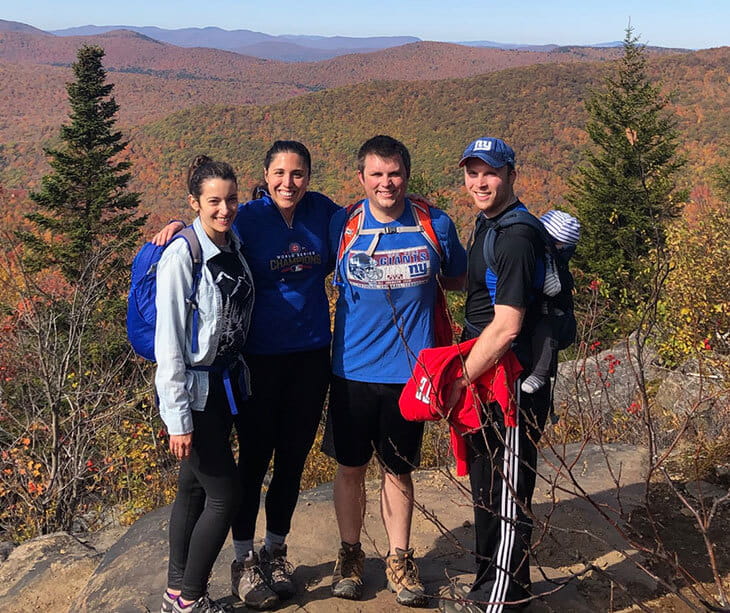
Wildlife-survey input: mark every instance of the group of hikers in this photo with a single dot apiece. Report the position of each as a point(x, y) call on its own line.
point(243, 338)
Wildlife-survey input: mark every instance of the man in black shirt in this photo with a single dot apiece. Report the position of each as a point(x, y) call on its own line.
point(501, 308)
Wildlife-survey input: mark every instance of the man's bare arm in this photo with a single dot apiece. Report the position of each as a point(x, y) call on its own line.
point(492, 344)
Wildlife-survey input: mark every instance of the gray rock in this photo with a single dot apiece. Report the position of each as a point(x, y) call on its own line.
point(604, 382)
point(701, 490)
point(699, 389)
point(569, 532)
point(45, 573)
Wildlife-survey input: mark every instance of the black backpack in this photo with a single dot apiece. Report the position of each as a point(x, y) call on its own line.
point(560, 305)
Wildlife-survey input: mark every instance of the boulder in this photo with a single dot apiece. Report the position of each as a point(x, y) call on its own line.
point(46, 573)
point(132, 573)
point(699, 388)
point(604, 382)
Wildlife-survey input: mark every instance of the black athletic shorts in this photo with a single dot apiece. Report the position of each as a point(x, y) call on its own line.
point(363, 418)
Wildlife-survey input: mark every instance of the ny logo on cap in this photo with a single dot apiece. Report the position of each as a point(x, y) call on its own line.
point(483, 145)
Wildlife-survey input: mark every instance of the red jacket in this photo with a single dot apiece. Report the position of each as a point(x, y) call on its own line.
point(424, 395)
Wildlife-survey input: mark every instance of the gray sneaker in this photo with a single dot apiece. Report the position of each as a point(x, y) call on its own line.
point(249, 584)
point(278, 571)
point(456, 600)
point(347, 576)
point(167, 603)
point(204, 604)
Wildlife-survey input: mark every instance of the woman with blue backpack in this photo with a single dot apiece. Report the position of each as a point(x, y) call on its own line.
point(283, 231)
point(201, 378)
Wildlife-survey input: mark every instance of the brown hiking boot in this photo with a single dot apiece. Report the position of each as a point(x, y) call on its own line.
point(402, 574)
point(347, 576)
point(249, 584)
point(278, 571)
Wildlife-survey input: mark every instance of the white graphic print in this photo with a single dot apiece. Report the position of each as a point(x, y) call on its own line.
point(424, 390)
point(231, 290)
point(482, 145)
point(394, 269)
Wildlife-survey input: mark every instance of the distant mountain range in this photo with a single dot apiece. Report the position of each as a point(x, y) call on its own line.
point(290, 48)
point(154, 80)
point(286, 47)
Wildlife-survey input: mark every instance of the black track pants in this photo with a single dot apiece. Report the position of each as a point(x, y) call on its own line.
point(502, 465)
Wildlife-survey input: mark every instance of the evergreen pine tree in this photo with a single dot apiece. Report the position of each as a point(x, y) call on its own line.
point(73, 380)
point(625, 192)
point(84, 205)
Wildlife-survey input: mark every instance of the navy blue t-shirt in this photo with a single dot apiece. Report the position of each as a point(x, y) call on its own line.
point(289, 265)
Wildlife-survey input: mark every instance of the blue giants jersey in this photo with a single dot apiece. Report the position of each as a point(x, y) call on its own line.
point(384, 313)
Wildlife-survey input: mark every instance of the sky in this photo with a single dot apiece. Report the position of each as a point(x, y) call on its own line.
point(693, 24)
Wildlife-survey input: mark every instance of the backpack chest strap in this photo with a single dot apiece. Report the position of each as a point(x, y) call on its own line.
point(376, 233)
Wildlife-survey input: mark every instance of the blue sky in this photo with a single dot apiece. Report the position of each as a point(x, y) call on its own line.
point(669, 23)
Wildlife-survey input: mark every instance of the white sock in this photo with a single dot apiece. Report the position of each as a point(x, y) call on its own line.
point(532, 384)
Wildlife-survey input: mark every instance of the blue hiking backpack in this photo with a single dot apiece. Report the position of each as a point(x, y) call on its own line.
point(560, 304)
point(141, 309)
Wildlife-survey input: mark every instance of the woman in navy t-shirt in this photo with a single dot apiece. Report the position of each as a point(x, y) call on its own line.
point(284, 236)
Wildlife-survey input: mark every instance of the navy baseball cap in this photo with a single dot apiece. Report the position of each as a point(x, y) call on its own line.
point(493, 151)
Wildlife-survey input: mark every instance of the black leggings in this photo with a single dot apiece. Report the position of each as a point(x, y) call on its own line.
point(208, 495)
point(280, 420)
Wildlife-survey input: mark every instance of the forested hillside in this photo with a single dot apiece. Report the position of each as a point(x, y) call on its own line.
point(538, 108)
point(154, 79)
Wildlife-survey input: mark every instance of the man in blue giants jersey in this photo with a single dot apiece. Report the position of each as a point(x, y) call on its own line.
point(387, 280)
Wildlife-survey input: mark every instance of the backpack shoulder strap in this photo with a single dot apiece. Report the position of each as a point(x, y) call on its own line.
point(422, 214)
point(196, 254)
point(351, 229)
point(518, 215)
point(421, 210)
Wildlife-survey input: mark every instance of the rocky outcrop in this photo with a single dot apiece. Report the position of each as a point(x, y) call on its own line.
point(46, 573)
point(604, 382)
point(701, 389)
point(60, 573)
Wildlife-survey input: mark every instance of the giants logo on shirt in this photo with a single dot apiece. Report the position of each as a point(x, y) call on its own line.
point(398, 268)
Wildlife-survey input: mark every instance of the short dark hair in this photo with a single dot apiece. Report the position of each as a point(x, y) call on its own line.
point(203, 168)
point(288, 146)
point(385, 147)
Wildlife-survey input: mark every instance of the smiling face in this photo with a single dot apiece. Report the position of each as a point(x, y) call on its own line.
point(385, 181)
point(287, 178)
point(217, 206)
point(492, 189)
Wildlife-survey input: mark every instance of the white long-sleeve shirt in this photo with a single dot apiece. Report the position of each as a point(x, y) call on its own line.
point(181, 390)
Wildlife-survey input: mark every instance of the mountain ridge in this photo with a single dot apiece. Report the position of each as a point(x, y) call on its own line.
point(307, 48)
